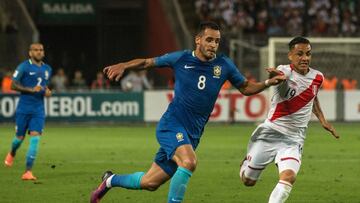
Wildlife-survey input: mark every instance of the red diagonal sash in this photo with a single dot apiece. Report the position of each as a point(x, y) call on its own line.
point(288, 107)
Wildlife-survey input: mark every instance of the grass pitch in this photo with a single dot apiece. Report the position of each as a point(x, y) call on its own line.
point(72, 158)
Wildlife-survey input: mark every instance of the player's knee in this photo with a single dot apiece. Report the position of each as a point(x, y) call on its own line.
point(288, 176)
point(248, 182)
point(34, 133)
point(190, 164)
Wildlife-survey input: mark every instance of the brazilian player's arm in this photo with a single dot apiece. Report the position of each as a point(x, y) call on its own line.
point(117, 70)
point(250, 88)
point(319, 114)
point(15, 85)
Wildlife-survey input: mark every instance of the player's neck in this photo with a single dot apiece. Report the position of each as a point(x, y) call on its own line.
point(302, 72)
point(200, 56)
point(38, 63)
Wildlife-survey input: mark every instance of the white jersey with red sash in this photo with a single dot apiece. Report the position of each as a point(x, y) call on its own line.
point(292, 103)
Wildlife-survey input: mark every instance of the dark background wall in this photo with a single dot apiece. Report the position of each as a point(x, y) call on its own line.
point(115, 32)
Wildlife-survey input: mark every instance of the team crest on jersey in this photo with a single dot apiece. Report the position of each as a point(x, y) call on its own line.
point(179, 137)
point(315, 89)
point(217, 71)
point(46, 75)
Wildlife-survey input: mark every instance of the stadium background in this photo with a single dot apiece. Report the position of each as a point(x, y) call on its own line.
point(86, 35)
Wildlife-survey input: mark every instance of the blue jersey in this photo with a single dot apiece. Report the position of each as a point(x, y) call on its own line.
point(197, 85)
point(31, 75)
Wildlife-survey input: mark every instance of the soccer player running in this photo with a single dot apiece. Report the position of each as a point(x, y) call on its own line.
point(281, 136)
point(30, 79)
point(199, 76)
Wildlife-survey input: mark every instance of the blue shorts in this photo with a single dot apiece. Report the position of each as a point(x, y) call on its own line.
point(170, 138)
point(29, 122)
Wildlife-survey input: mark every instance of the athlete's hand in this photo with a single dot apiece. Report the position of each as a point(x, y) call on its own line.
point(48, 92)
point(114, 71)
point(37, 88)
point(275, 80)
point(327, 126)
point(273, 72)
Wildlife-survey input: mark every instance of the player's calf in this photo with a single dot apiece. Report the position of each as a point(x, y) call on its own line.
point(149, 185)
point(281, 192)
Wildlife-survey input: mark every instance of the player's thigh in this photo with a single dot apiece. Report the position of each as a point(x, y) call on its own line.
point(260, 154)
point(170, 140)
point(289, 158)
point(186, 151)
point(21, 123)
point(36, 124)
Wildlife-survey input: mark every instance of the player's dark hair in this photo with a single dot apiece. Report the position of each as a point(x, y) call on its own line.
point(207, 24)
point(298, 40)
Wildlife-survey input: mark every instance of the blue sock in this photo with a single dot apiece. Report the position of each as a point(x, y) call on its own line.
point(178, 185)
point(130, 181)
point(31, 154)
point(15, 145)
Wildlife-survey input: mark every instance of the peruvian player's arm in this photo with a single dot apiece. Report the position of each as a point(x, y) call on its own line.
point(319, 114)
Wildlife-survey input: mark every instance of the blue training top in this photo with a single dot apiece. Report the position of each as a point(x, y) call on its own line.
point(31, 75)
point(197, 85)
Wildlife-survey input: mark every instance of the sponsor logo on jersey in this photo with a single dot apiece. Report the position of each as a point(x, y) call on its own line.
point(188, 67)
point(179, 137)
point(217, 71)
point(32, 73)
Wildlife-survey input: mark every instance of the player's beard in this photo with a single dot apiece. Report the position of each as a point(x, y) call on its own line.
point(37, 59)
point(303, 68)
point(207, 53)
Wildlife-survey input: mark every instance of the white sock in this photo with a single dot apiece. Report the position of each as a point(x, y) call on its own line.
point(244, 165)
point(281, 192)
point(108, 181)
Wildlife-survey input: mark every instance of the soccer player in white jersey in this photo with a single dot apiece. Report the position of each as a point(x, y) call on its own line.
point(281, 136)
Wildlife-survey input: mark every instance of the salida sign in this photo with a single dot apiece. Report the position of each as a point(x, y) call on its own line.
point(67, 12)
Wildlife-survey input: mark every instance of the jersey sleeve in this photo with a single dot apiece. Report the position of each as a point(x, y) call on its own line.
point(286, 70)
point(19, 72)
point(235, 77)
point(322, 80)
point(169, 59)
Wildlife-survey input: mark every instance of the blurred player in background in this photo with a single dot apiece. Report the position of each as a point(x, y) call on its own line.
point(30, 79)
point(199, 76)
point(281, 137)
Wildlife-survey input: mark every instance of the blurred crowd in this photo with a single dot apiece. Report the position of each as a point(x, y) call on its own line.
point(133, 81)
point(331, 82)
point(284, 17)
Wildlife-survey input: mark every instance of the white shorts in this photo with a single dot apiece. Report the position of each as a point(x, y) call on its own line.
point(262, 151)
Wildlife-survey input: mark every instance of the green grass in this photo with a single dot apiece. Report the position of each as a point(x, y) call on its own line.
point(80, 154)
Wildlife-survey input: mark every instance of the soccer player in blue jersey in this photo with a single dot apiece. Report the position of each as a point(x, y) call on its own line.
point(199, 76)
point(30, 79)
